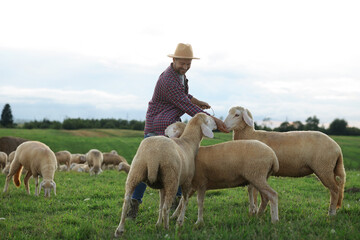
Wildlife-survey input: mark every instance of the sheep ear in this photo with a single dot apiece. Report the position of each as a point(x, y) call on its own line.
point(248, 120)
point(206, 131)
point(54, 186)
point(41, 186)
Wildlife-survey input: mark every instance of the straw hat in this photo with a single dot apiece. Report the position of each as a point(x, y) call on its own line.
point(183, 51)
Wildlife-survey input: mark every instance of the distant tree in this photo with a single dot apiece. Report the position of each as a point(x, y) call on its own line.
point(285, 127)
point(7, 117)
point(312, 123)
point(298, 125)
point(338, 127)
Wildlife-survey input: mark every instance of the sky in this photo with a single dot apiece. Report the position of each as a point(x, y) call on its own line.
point(282, 60)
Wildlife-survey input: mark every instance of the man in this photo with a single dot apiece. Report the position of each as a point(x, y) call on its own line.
point(171, 100)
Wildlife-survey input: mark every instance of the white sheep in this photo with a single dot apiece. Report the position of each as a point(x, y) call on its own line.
point(38, 159)
point(300, 153)
point(112, 159)
point(63, 158)
point(82, 167)
point(8, 162)
point(164, 163)
point(94, 159)
point(3, 159)
point(232, 164)
point(77, 158)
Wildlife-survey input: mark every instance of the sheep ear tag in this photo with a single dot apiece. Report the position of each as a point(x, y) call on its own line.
point(207, 131)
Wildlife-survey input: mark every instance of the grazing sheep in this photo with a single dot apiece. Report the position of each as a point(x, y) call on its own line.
point(9, 144)
point(38, 159)
point(300, 153)
point(77, 158)
point(83, 167)
point(3, 159)
point(94, 159)
point(63, 157)
point(112, 159)
point(9, 160)
point(232, 164)
point(62, 168)
point(164, 163)
point(114, 152)
point(124, 166)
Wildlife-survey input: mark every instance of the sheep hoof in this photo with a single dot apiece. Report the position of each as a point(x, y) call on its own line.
point(199, 224)
point(180, 223)
point(332, 212)
point(158, 225)
point(118, 233)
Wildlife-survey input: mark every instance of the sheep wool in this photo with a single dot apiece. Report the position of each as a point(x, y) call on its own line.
point(300, 153)
point(38, 159)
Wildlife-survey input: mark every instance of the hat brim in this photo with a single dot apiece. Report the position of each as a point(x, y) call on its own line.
point(174, 56)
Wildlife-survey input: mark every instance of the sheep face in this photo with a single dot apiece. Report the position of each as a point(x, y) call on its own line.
point(47, 185)
point(238, 118)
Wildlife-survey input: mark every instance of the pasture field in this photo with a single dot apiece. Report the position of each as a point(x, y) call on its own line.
point(89, 207)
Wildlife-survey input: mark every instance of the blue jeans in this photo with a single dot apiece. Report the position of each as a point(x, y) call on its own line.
point(141, 187)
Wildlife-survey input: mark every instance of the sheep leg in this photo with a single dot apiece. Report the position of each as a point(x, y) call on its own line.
point(170, 194)
point(178, 209)
point(269, 193)
point(121, 228)
point(184, 199)
point(37, 185)
point(14, 168)
point(161, 204)
point(26, 181)
point(263, 204)
point(328, 180)
point(200, 202)
point(252, 192)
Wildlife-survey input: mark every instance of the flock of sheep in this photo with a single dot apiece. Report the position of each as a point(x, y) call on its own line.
point(165, 163)
point(36, 159)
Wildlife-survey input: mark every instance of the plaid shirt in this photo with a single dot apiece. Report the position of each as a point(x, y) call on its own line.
point(169, 102)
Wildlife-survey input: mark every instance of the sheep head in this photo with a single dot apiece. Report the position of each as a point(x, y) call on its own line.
point(238, 118)
point(207, 124)
point(47, 185)
point(175, 130)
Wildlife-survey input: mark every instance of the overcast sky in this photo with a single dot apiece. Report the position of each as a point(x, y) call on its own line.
point(284, 60)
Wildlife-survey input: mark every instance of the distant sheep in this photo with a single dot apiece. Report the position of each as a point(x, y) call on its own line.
point(63, 157)
point(232, 164)
point(83, 167)
point(165, 164)
point(3, 159)
point(77, 158)
point(38, 159)
point(112, 159)
point(9, 144)
point(300, 153)
point(94, 159)
point(8, 162)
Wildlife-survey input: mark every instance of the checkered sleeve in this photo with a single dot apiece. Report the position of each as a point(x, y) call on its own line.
point(177, 96)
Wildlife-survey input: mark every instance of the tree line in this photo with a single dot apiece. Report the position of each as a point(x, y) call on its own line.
point(336, 127)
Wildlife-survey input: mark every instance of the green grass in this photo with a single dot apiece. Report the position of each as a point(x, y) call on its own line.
point(89, 207)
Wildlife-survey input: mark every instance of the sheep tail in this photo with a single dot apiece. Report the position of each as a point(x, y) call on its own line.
point(340, 178)
point(275, 165)
point(153, 169)
point(17, 175)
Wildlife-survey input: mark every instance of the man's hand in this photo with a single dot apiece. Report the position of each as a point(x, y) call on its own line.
point(201, 104)
point(220, 125)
